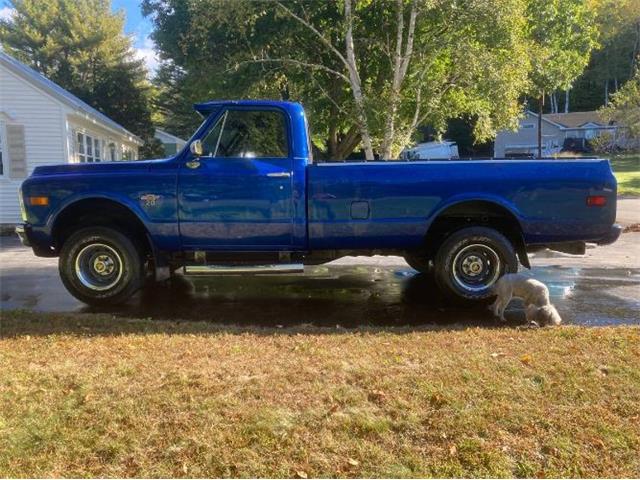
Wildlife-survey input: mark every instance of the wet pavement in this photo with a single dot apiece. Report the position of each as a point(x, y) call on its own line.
point(348, 293)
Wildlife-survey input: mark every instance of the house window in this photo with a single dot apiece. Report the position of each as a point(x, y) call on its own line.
point(89, 148)
point(527, 125)
point(81, 148)
point(97, 150)
point(3, 155)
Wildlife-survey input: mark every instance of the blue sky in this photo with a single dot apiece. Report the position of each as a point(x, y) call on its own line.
point(137, 26)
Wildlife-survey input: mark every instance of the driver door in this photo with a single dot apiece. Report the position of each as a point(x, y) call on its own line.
point(238, 194)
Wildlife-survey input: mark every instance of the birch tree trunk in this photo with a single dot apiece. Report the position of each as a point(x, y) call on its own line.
point(566, 100)
point(401, 59)
point(356, 85)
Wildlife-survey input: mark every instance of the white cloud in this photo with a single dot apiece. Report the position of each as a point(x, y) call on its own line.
point(146, 51)
point(7, 13)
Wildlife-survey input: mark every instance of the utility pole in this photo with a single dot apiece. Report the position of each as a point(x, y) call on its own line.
point(540, 106)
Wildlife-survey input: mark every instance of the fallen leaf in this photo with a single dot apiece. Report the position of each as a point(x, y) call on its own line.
point(453, 450)
point(497, 354)
point(377, 396)
point(526, 359)
point(353, 461)
point(301, 474)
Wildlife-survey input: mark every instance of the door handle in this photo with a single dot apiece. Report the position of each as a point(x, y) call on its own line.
point(279, 174)
point(193, 164)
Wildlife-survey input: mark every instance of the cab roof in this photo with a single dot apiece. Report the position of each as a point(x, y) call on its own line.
point(206, 108)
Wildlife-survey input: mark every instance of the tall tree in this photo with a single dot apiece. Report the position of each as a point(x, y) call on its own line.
point(615, 59)
point(81, 45)
point(369, 72)
point(624, 109)
point(562, 34)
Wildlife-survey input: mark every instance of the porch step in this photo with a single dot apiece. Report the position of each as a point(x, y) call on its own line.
point(268, 269)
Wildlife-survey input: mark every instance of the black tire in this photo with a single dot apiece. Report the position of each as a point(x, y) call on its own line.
point(418, 261)
point(470, 261)
point(101, 266)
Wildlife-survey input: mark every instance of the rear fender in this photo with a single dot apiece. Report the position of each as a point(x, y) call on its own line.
point(519, 243)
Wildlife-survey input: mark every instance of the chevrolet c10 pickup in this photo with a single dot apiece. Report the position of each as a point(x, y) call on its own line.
point(245, 196)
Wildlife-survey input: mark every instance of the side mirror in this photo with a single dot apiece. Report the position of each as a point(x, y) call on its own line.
point(196, 148)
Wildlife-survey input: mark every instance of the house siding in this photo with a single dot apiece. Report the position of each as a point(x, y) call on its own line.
point(48, 123)
point(526, 136)
point(41, 116)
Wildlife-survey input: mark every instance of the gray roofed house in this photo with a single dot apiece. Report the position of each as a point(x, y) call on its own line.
point(556, 128)
point(170, 143)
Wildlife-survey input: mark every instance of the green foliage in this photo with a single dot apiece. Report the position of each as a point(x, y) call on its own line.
point(80, 45)
point(624, 108)
point(562, 35)
point(472, 59)
point(613, 62)
point(466, 60)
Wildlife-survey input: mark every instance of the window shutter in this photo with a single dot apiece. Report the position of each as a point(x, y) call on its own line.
point(17, 151)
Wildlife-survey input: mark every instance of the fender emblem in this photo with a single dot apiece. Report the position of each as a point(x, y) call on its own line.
point(149, 199)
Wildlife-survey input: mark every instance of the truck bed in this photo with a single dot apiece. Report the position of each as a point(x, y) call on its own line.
point(391, 203)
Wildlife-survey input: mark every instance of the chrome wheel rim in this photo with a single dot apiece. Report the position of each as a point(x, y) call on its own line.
point(98, 267)
point(476, 267)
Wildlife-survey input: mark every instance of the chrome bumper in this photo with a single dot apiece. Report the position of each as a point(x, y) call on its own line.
point(21, 231)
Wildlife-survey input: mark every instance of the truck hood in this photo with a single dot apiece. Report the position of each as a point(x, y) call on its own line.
point(101, 167)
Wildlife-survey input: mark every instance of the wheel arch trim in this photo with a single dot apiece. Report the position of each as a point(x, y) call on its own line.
point(492, 200)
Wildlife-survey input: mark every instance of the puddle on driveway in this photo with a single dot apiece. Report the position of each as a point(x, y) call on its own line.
point(345, 295)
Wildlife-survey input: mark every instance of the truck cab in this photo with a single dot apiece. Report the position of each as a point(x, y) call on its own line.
point(244, 196)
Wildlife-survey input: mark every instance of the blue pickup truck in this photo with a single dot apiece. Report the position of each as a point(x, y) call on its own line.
point(245, 196)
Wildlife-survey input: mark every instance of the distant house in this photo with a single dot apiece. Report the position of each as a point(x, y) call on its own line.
point(171, 143)
point(558, 130)
point(43, 124)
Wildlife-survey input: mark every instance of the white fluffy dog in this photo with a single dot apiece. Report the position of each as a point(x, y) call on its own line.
point(514, 285)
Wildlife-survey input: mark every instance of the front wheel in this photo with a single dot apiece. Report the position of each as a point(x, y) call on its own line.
point(471, 260)
point(100, 266)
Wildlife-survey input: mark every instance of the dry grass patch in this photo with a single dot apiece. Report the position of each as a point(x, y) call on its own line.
point(85, 395)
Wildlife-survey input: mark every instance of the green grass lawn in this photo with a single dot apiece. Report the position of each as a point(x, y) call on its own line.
point(627, 171)
point(95, 395)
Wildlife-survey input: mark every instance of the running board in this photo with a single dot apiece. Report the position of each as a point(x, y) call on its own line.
point(243, 269)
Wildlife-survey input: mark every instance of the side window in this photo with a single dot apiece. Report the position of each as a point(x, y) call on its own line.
point(248, 134)
point(210, 142)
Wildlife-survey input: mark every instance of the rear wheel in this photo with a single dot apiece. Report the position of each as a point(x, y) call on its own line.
point(100, 266)
point(471, 260)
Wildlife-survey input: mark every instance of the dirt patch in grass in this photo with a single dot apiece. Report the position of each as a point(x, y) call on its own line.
point(84, 395)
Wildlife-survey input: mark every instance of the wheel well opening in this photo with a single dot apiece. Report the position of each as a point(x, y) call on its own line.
point(475, 213)
point(98, 212)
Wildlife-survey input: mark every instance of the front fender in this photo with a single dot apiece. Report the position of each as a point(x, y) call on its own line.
point(123, 200)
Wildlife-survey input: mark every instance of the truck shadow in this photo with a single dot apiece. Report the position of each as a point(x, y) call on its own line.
point(343, 298)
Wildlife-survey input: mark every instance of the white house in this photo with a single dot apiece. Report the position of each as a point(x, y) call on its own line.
point(170, 143)
point(557, 128)
point(43, 124)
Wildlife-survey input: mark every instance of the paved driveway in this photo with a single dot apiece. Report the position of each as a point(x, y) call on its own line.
point(601, 288)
